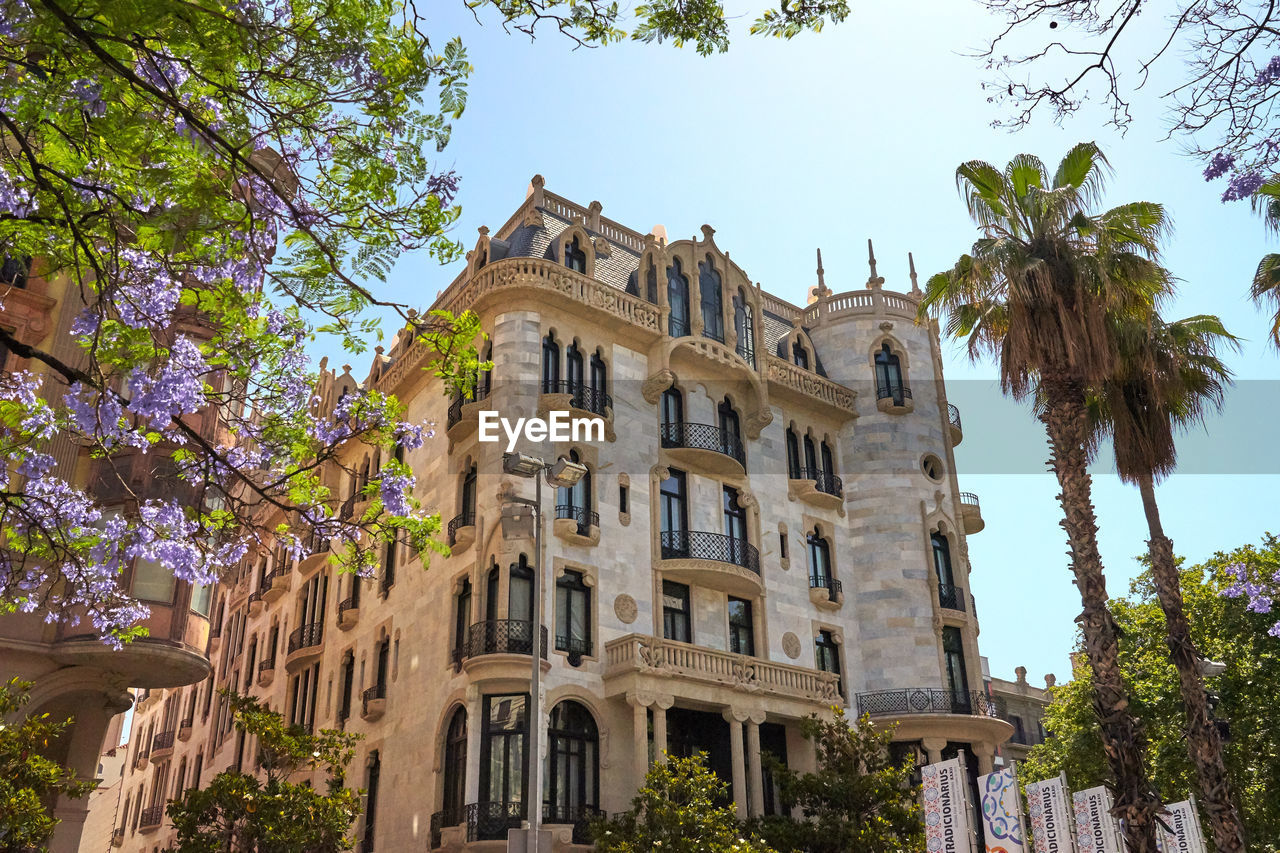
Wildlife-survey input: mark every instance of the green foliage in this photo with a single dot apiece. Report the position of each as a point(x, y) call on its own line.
point(240, 812)
point(858, 801)
point(1225, 630)
point(680, 809)
point(28, 780)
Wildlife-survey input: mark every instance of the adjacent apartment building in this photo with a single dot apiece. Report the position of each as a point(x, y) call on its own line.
point(771, 526)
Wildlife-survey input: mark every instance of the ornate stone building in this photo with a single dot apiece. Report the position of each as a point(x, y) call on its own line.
point(1024, 705)
point(773, 525)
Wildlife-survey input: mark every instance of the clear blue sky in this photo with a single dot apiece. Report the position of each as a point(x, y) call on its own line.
point(855, 133)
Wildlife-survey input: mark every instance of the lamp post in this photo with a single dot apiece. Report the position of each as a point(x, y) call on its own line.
point(561, 473)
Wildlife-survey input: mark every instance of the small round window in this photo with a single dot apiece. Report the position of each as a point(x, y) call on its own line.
point(932, 467)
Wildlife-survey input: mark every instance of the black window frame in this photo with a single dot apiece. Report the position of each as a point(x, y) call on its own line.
point(573, 750)
point(674, 618)
point(826, 654)
point(575, 257)
point(742, 629)
point(711, 299)
point(518, 735)
point(572, 595)
point(680, 312)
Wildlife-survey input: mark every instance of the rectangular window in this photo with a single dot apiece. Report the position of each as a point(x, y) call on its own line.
point(503, 762)
point(623, 502)
point(389, 566)
point(957, 676)
point(672, 504)
point(573, 615)
point(152, 581)
point(827, 656)
point(675, 612)
point(371, 801)
point(782, 545)
point(742, 639)
point(201, 594)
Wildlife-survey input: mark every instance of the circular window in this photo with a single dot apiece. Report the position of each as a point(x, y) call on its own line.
point(932, 467)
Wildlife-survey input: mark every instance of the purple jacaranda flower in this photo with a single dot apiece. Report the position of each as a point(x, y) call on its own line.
point(1219, 165)
point(177, 388)
point(1242, 185)
point(394, 490)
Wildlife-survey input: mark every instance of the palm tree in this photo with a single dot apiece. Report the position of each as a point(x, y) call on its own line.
point(1266, 281)
point(1167, 376)
point(1037, 292)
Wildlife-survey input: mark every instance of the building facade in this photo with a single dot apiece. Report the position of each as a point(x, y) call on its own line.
point(771, 526)
point(1024, 705)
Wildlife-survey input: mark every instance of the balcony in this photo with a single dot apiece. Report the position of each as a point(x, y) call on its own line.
point(826, 592)
point(255, 603)
point(971, 513)
point(499, 648)
point(266, 671)
point(140, 759)
point(581, 400)
point(578, 817)
point(117, 837)
point(705, 447)
point(489, 821)
point(462, 416)
point(953, 420)
point(929, 700)
point(373, 703)
point(349, 611)
point(577, 524)
point(950, 597)
point(215, 638)
point(722, 562)
point(305, 644)
point(276, 583)
point(817, 487)
point(151, 818)
point(894, 399)
point(575, 649)
point(184, 730)
point(462, 530)
point(162, 745)
point(637, 662)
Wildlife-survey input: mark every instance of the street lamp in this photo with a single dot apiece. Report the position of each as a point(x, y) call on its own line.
point(516, 515)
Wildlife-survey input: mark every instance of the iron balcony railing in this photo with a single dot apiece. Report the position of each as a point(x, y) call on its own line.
point(455, 408)
point(580, 817)
point(677, 327)
point(445, 818)
point(577, 648)
point(930, 700)
point(499, 637)
point(267, 664)
point(824, 481)
point(702, 545)
point(151, 816)
point(969, 499)
point(953, 415)
point(256, 595)
point(377, 691)
point(185, 726)
point(162, 740)
point(489, 821)
point(351, 602)
point(830, 584)
point(581, 396)
point(306, 637)
point(704, 437)
point(747, 353)
point(462, 519)
point(951, 597)
point(898, 393)
point(586, 518)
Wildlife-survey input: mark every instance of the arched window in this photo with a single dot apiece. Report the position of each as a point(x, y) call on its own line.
point(461, 619)
point(793, 455)
point(575, 501)
point(347, 676)
point(946, 577)
point(455, 768)
point(573, 784)
point(744, 327)
point(820, 575)
point(599, 374)
point(492, 584)
point(550, 364)
point(799, 354)
point(520, 591)
point(573, 368)
point(712, 300)
point(672, 407)
point(574, 257)
point(735, 519)
point(651, 284)
point(677, 300)
point(731, 430)
point(828, 459)
point(810, 454)
point(889, 376)
point(485, 382)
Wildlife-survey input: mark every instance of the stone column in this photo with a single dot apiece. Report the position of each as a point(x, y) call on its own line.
point(984, 752)
point(475, 725)
point(933, 747)
point(640, 738)
point(736, 719)
point(660, 706)
point(753, 760)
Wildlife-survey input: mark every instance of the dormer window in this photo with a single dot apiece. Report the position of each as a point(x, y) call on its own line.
point(678, 300)
point(712, 301)
point(574, 257)
point(799, 354)
point(889, 376)
point(744, 327)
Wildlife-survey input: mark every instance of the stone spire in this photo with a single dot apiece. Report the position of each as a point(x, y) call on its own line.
point(822, 284)
point(874, 282)
point(915, 284)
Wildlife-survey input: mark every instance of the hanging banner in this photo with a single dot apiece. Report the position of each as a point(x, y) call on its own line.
point(1002, 812)
point(1052, 824)
point(1186, 836)
point(1096, 829)
point(946, 807)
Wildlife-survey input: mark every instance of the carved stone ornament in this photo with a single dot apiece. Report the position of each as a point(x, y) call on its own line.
point(791, 645)
point(886, 326)
point(657, 383)
point(624, 607)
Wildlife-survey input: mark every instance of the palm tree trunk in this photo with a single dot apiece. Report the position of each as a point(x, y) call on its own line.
point(1203, 743)
point(1136, 804)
